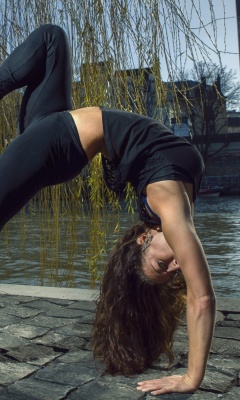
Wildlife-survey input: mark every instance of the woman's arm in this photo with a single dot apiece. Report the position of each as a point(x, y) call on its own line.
point(170, 201)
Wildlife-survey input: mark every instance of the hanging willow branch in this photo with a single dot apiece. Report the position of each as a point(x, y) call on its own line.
point(109, 40)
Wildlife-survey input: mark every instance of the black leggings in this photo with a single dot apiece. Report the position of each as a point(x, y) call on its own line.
point(48, 151)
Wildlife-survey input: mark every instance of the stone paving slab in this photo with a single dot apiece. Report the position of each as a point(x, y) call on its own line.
point(32, 389)
point(8, 341)
point(48, 322)
point(24, 331)
point(65, 343)
point(34, 354)
point(6, 320)
point(11, 372)
point(95, 390)
point(45, 351)
point(226, 347)
point(227, 333)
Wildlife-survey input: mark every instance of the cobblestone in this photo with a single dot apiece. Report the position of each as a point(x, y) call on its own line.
point(45, 346)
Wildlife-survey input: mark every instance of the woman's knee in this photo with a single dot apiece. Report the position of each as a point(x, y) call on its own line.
point(53, 32)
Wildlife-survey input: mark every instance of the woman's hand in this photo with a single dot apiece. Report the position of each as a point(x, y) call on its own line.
point(168, 384)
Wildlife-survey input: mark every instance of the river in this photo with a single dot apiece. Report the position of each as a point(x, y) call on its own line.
point(217, 221)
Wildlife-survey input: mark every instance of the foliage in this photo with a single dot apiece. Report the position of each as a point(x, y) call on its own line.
point(230, 87)
point(109, 39)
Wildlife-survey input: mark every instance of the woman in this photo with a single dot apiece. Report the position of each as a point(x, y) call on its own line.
point(137, 304)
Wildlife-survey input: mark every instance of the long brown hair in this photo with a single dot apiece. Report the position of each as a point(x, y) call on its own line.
point(135, 319)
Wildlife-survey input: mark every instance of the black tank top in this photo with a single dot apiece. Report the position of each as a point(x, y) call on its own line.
point(142, 151)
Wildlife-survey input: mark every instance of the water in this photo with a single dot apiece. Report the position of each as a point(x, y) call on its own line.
point(23, 261)
point(217, 220)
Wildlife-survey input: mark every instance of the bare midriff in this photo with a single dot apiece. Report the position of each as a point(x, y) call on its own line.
point(90, 130)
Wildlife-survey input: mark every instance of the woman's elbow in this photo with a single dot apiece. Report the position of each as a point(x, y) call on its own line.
point(204, 303)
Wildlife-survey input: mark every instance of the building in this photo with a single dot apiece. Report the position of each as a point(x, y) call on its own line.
point(191, 109)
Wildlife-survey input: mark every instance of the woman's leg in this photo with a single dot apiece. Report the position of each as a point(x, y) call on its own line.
point(42, 63)
point(48, 153)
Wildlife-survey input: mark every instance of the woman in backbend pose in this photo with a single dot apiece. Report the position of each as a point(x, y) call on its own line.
point(140, 298)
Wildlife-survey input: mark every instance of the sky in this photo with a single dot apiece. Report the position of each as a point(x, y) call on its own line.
point(180, 55)
point(229, 50)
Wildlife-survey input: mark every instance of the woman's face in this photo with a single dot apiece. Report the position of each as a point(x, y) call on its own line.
point(159, 263)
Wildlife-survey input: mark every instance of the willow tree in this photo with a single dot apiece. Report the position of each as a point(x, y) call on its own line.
point(115, 46)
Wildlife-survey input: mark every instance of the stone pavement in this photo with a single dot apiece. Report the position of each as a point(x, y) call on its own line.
point(46, 353)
